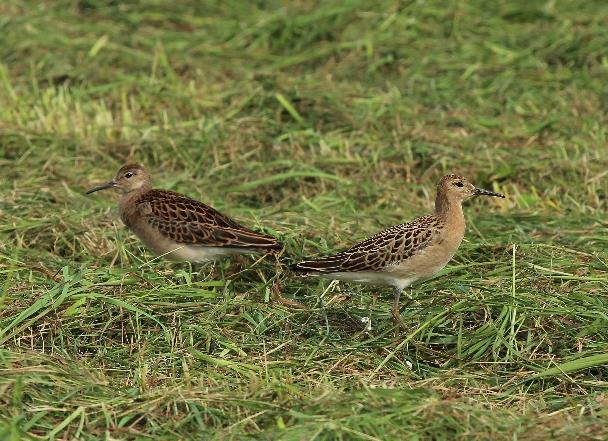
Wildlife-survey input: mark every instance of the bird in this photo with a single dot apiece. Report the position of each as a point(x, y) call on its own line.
point(178, 227)
point(407, 253)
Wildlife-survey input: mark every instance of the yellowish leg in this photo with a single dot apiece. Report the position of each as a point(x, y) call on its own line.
point(276, 291)
point(395, 309)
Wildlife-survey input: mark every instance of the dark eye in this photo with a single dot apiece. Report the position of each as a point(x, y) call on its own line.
point(130, 175)
point(459, 184)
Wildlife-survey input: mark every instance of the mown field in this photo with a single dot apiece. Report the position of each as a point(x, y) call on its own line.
point(320, 122)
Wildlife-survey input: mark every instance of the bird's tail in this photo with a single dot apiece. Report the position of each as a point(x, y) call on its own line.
point(315, 267)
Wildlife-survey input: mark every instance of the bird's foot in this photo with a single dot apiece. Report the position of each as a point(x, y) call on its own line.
point(277, 296)
point(399, 325)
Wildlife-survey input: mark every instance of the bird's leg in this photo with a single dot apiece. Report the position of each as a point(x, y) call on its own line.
point(276, 284)
point(240, 263)
point(395, 308)
point(276, 287)
point(375, 296)
point(276, 291)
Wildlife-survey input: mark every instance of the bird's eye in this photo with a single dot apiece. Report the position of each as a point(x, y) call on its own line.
point(128, 175)
point(459, 184)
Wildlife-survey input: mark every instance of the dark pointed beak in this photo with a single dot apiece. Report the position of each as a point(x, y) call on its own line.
point(102, 187)
point(482, 192)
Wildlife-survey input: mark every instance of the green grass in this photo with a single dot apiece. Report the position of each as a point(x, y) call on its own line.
point(320, 122)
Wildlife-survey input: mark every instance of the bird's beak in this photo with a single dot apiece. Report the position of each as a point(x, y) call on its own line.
point(482, 192)
point(109, 184)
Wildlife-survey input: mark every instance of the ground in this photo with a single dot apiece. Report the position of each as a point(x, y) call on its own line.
point(320, 122)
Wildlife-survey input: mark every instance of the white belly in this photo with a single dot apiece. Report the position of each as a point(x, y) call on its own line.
point(191, 253)
point(375, 278)
point(168, 249)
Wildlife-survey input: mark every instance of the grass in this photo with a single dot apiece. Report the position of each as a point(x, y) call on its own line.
point(321, 123)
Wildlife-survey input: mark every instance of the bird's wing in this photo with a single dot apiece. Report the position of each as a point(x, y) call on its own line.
point(190, 222)
point(389, 247)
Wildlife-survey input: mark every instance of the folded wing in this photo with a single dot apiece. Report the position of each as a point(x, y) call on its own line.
point(190, 222)
point(382, 250)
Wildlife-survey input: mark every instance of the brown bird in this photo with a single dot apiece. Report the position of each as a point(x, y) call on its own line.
point(178, 227)
point(407, 253)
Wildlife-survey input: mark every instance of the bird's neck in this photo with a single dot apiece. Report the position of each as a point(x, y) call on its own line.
point(127, 205)
point(450, 212)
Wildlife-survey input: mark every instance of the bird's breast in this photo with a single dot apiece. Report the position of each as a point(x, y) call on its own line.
point(431, 259)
